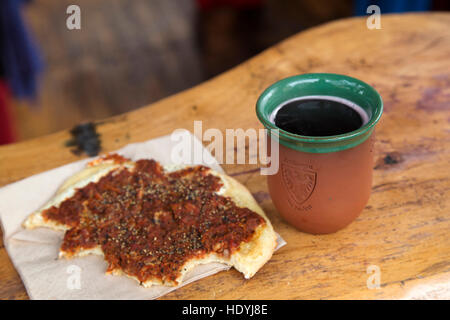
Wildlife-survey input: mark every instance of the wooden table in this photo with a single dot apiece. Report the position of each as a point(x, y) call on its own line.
point(404, 230)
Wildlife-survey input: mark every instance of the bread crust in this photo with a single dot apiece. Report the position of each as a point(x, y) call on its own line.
point(248, 258)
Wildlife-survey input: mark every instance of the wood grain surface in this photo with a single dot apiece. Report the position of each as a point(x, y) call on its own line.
point(404, 230)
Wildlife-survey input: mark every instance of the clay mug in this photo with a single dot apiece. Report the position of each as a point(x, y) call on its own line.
point(322, 183)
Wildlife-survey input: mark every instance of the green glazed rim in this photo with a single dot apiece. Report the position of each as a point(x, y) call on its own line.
point(320, 84)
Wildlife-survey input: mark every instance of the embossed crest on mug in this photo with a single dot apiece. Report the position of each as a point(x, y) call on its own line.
point(299, 180)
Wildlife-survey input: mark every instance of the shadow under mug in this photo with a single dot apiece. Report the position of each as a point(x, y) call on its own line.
point(323, 183)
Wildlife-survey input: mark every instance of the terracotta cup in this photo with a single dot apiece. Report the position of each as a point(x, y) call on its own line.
point(323, 183)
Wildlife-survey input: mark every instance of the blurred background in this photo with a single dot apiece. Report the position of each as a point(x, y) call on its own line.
point(130, 53)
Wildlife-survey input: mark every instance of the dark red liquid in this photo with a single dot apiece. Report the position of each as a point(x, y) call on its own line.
point(317, 118)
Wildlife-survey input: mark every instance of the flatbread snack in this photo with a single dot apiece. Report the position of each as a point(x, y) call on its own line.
point(154, 223)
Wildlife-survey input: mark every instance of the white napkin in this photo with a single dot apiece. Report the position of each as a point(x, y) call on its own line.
point(34, 252)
